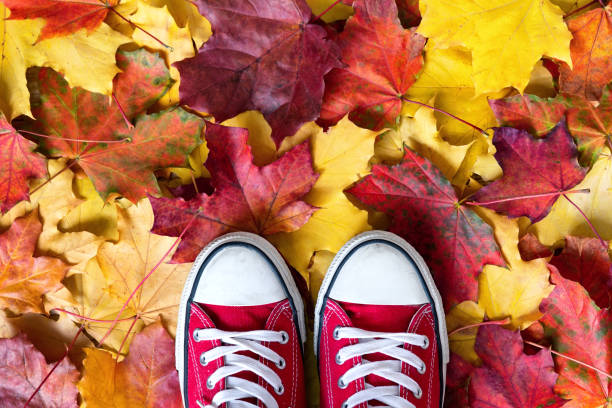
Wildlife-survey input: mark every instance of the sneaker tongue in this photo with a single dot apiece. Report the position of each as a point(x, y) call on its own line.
point(239, 318)
point(384, 318)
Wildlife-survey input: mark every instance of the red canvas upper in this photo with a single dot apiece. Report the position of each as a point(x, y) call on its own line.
point(275, 316)
point(417, 319)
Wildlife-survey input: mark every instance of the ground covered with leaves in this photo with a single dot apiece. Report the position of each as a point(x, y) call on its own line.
point(133, 132)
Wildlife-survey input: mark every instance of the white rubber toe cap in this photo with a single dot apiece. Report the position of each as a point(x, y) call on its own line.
point(239, 275)
point(378, 273)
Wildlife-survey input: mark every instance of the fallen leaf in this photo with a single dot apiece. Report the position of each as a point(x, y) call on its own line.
point(186, 14)
point(425, 210)
point(580, 330)
point(340, 156)
point(61, 17)
point(24, 278)
point(530, 248)
point(100, 288)
point(564, 219)
point(509, 378)
point(503, 52)
point(462, 343)
point(278, 71)
point(585, 261)
point(18, 164)
point(264, 200)
point(381, 62)
point(538, 116)
point(409, 13)
point(458, 380)
point(338, 11)
point(23, 368)
point(591, 50)
point(145, 378)
point(536, 172)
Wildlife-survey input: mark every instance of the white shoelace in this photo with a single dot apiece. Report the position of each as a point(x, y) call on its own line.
point(237, 389)
point(389, 344)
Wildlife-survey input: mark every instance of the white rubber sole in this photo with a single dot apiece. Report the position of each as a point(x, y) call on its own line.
point(276, 259)
point(416, 257)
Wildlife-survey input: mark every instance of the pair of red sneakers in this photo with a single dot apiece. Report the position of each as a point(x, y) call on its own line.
point(379, 335)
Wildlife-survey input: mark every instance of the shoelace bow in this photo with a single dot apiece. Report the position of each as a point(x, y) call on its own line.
point(391, 345)
point(238, 389)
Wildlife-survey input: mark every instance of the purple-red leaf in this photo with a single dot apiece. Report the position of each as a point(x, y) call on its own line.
point(425, 209)
point(536, 172)
point(264, 200)
point(277, 68)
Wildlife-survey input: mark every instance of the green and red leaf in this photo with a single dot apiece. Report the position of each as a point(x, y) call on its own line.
point(382, 60)
point(425, 209)
point(264, 200)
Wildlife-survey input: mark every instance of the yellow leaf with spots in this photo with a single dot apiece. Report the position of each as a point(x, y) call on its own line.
point(506, 39)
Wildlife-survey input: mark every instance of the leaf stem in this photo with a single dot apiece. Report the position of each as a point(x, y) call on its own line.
point(331, 6)
point(76, 336)
point(174, 244)
point(127, 122)
point(465, 122)
point(568, 358)
point(601, 240)
point(163, 44)
point(541, 195)
point(89, 319)
point(73, 140)
point(487, 323)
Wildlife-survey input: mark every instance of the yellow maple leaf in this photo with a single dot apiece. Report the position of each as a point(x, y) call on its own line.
point(464, 314)
point(506, 39)
point(100, 288)
point(186, 14)
point(447, 76)
point(516, 291)
point(338, 11)
point(564, 219)
point(341, 157)
point(86, 59)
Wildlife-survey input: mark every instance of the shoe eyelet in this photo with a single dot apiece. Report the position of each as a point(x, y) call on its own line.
point(425, 344)
point(203, 359)
point(422, 369)
point(196, 338)
point(209, 385)
point(281, 364)
point(280, 390)
point(336, 333)
point(418, 394)
point(345, 404)
point(339, 360)
point(284, 337)
point(341, 384)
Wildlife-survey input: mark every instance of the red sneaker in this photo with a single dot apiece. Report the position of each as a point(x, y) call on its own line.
point(380, 334)
point(241, 328)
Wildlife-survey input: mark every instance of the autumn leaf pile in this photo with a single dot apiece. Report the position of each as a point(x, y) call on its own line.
point(133, 132)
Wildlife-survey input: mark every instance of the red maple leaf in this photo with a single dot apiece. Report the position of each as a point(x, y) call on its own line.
point(527, 112)
point(409, 13)
point(382, 62)
point(62, 17)
point(264, 200)
point(425, 210)
point(536, 172)
point(459, 375)
point(587, 262)
point(277, 68)
point(582, 331)
point(23, 368)
point(531, 248)
point(94, 134)
point(509, 378)
point(590, 49)
point(18, 164)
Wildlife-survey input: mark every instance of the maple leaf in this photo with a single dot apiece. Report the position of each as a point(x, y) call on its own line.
point(580, 330)
point(528, 112)
point(22, 368)
point(264, 200)
point(590, 49)
point(537, 169)
point(509, 378)
point(585, 261)
point(61, 17)
point(24, 279)
point(425, 210)
point(382, 61)
point(498, 31)
point(100, 287)
point(145, 378)
point(186, 14)
point(409, 13)
point(277, 70)
point(531, 248)
point(117, 159)
point(18, 164)
point(457, 382)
